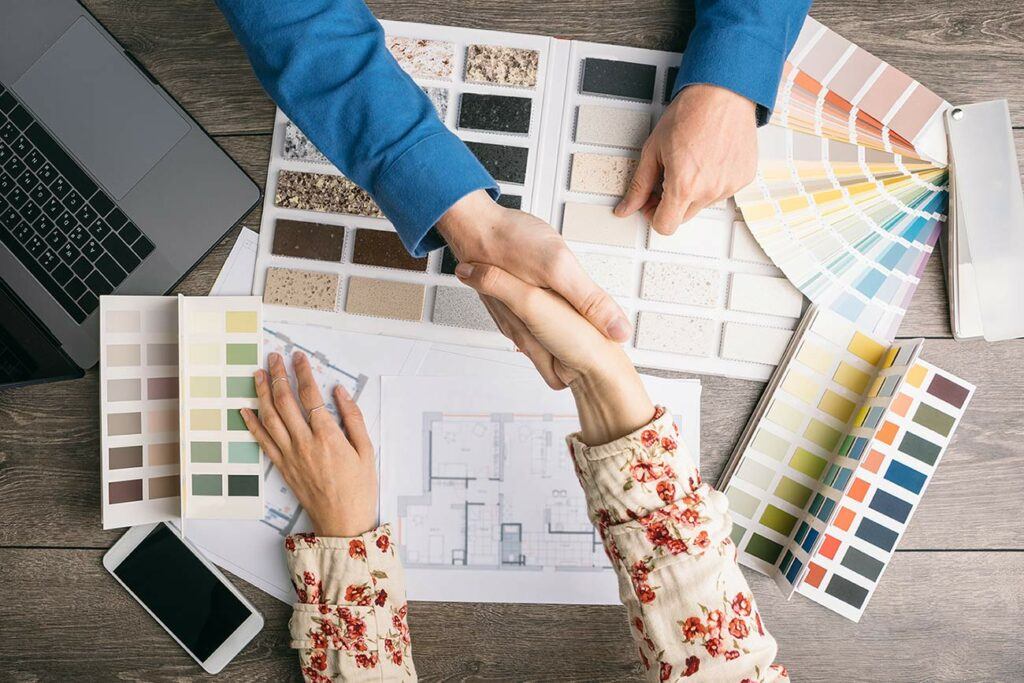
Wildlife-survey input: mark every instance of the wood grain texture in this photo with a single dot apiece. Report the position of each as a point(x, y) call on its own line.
point(935, 617)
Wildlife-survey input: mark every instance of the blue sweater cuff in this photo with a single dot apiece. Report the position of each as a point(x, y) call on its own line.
point(733, 59)
point(423, 183)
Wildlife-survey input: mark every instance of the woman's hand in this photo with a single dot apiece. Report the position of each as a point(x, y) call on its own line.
point(610, 397)
point(333, 475)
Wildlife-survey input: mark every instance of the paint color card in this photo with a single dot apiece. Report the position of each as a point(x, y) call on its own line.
point(214, 387)
point(138, 409)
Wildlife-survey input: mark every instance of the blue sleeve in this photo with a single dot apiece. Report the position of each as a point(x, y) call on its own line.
point(324, 62)
point(741, 45)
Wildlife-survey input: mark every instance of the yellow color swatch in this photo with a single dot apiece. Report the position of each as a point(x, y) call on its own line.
point(836, 406)
point(785, 416)
point(205, 419)
point(204, 354)
point(866, 348)
point(821, 434)
point(916, 375)
point(241, 321)
point(204, 387)
point(876, 386)
point(801, 386)
point(851, 378)
point(862, 415)
point(815, 357)
point(890, 357)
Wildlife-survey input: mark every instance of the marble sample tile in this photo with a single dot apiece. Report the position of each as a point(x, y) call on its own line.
point(423, 58)
point(613, 274)
point(506, 163)
point(676, 334)
point(498, 65)
point(601, 173)
point(315, 241)
point(615, 78)
point(385, 298)
point(497, 113)
point(297, 147)
point(676, 283)
point(670, 84)
point(754, 343)
point(699, 236)
point(461, 307)
point(439, 98)
point(301, 289)
point(612, 126)
point(384, 248)
point(448, 261)
point(765, 294)
point(323, 193)
point(596, 224)
point(744, 246)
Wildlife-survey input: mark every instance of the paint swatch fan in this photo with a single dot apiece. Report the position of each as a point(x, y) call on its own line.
point(850, 194)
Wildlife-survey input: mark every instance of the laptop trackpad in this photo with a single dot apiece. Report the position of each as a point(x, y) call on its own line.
point(106, 113)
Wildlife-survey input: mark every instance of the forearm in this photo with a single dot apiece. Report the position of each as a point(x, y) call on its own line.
point(611, 401)
point(349, 622)
point(667, 535)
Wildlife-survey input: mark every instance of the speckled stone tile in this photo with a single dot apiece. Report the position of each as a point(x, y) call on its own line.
point(600, 173)
point(300, 239)
point(423, 58)
point(613, 274)
point(385, 298)
point(497, 113)
point(615, 78)
point(324, 193)
point(612, 126)
point(439, 98)
point(384, 249)
point(507, 164)
point(678, 284)
point(301, 289)
point(676, 334)
point(297, 147)
point(512, 66)
point(461, 307)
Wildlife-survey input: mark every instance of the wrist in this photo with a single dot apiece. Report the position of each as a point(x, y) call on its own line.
point(717, 97)
point(612, 402)
point(467, 225)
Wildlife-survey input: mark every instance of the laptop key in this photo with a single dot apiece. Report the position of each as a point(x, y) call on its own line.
point(30, 211)
point(20, 117)
point(10, 218)
point(82, 267)
point(56, 239)
point(34, 160)
point(35, 245)
point(65, 222)
point(98, 284)
point(60, 159)
point(74, 287)
point(7, 102)
point(116, 219)
point(60, 187)
point(121, 253)
point(53, 208)
point(129, 233)
point(101, 203)
point(40, 194)
point(47, 173)
point(8, 132)
point(27, 180)
point(98, 229)
point(21, 146)
point(14, 166)
point(22, 231)
point(51, 286)
point(6, 183)
point(88, 302)
point(143, 247)
point(114, 274)
point(78, 236)
point(92, 250)
point(73, 201)
point(17, 197)
point(49, 260)
point(62, 274)
point(86, 214)
point(5, 153)
point(68, 253)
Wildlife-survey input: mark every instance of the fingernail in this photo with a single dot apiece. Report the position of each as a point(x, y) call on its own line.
point(298, 356)
point(620, 207)
point(464, 270)
point(619, 330)
point(244, 412)
point(258, 376)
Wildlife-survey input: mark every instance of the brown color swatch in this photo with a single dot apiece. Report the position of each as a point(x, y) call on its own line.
point(163, 454)
point(385, 298)
point(301, 289)
point(324, 193)
point(124, 456)
point(308, 240)
point(125, 491)
point(384, 249)
point(164, 487)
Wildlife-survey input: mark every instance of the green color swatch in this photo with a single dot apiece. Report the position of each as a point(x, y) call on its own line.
point(821, 434)
point(770, 444)
point(934, 419)
point(806, 462)
point(764, 549)
point(244, 452)
point(737, 534)
point(206, 485)
point(243, 485)
point(241, 387)
point(205, 451)
point(241, 354)
point(778, 520)
point(792, 492)
point(235, 421)
point(741, 502)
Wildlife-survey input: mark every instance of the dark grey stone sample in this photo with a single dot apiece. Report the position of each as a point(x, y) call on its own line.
point(613, 78)
point(496, 113)
point(670, 83)
point(510, 201)
point(506, 163)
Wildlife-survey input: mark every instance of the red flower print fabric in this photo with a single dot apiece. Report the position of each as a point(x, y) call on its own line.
point(666, 533)
point(349, 622)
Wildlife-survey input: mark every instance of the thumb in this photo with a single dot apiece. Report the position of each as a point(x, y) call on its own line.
point(645, 180)
point(493, 282)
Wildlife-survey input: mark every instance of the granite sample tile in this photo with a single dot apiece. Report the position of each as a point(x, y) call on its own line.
point(744, 246)
point(498, 65)
point(600, 173)
point(301, 289)
point(754, 343)
point(384, 248)
point(613, 274)
point(612, 126)
point(448, 261)
point(423, 58)
point(505, 163)
point(497, 113)
point(596, 224)
point(297, 147)
point(765, 294)
point(676, 334)
point(439, 98)
point(510, 201)
point(385, 298)
point(323, 193)
point(679, 284)
point(670, 84)
point(315, 241)
point(461, 307)
point(615, 78)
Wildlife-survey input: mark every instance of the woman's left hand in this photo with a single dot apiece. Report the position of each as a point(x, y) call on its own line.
point(331, 472)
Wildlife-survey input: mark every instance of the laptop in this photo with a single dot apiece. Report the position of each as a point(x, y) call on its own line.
point(107, 186)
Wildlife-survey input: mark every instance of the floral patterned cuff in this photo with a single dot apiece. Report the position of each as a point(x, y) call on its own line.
point(342, 571)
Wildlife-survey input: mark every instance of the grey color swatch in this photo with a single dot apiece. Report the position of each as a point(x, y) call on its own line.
point(461, 307)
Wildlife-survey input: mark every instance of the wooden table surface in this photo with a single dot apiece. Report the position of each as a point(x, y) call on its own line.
point(948, 608)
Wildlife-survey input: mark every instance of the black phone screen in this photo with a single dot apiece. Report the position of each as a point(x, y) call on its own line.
point(183, 594)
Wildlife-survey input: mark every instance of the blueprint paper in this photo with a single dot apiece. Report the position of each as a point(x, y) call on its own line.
point(479, 486)
point(235, 277)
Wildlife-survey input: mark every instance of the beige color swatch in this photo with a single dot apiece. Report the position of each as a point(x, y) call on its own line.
point(601, 173)
point(301, 289)
point(597, 224)
point(385, 298)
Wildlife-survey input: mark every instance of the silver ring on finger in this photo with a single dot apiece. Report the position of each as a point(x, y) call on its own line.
point(309, 414)
point(276, 380)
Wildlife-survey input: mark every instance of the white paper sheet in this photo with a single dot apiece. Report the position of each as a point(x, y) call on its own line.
point(235, 277)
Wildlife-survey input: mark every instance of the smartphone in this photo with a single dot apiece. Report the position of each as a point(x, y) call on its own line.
point(186, 594)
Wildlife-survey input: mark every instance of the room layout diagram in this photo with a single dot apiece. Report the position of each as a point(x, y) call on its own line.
point(498, 491)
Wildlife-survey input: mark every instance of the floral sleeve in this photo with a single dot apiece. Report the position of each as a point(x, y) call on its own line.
point(349, 623)
point(691, 612)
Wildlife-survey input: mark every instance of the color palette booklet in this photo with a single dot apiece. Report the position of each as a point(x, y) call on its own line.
point(836, 458)
point(851, 189)
point(174, 374)
point(559, 124)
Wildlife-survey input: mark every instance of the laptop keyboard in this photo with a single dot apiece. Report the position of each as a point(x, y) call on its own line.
point(57, 222)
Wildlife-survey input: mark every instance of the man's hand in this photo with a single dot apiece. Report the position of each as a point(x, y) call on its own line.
point(703, 149)
point(480, 231)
